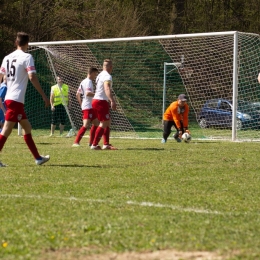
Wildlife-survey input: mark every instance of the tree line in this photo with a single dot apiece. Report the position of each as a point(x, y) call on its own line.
point(53, 20)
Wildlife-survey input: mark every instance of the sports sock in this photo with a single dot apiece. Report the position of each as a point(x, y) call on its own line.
point(98, 135)
point(80, 134)
point(92, 134)
point(2, 141)
point(31, 145)
point(106, 135)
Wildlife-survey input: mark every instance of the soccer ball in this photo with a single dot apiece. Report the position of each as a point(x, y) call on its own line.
point(186, 137)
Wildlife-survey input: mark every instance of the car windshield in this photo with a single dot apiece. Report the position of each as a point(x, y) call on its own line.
point(247, 106)
point(256, 105)
point(242, 105)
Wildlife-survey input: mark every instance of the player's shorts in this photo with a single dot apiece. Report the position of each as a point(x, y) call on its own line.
point(2, 116)
point(102, 109)
point(89, 114)
point(15, 111)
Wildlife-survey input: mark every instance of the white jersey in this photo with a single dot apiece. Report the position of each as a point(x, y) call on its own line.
point(16, 66)
point(100, 91)
point(86, 86)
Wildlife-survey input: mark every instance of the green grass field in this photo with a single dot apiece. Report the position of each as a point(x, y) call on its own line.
point(203, 196)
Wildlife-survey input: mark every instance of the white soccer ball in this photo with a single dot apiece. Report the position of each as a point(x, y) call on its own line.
point(186, 137)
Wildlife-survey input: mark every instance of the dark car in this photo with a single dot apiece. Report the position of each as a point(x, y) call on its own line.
point(218, 112)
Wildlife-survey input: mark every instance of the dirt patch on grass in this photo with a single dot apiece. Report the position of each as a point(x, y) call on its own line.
point(155, 255)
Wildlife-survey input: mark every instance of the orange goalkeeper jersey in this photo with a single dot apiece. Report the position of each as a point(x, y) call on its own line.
point(177, 114)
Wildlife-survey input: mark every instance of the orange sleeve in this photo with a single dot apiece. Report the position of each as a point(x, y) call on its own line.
point(168, 113)
point(175, 115)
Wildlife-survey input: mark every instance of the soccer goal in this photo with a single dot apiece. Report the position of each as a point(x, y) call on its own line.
point(218, 72)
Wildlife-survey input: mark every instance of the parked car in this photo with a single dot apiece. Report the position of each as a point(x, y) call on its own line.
point(218, 112)
point(256, 106)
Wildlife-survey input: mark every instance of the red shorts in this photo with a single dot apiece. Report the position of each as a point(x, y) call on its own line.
point(102, 109)
point(89, 114)
point(15, 111)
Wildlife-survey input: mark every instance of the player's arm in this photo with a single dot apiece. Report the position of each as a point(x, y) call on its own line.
point(34, 79)
point(176, 119)
point(78, 96)
point(90, 94)
point(257, 78)
point(107, 88)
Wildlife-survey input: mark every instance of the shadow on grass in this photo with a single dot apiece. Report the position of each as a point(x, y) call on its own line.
point(73, 165)
point(205, 142)
point(145, 149)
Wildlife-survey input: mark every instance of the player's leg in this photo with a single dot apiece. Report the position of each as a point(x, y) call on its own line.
point(30, 142)
point(95, 124)
point(6, 131)
point(177, 134)
point(10, 121)
point(99, 133)
point(167, 125)
point(102, 109)
point(106, 136)
point(81, 132)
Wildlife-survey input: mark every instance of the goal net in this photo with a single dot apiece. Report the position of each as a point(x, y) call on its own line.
point(218, 72)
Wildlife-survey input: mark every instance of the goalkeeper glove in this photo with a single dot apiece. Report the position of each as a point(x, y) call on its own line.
point(187, 131)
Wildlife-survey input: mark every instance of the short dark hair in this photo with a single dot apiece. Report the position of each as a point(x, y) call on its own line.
point(92, 69)
point(22, 38)
point(107, 63)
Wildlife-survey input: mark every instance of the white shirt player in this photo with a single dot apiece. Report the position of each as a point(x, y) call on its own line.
point(101, 78)
point(86, 86)
point(16, 66)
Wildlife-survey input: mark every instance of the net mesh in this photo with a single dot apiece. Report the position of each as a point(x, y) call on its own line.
point(204, 73)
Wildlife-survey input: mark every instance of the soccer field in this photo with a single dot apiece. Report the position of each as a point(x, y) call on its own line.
point(197, 198)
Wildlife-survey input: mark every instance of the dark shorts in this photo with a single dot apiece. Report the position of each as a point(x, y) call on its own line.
point(59, 115)
point(101, 108)
point(15, 111)
point(2, 116)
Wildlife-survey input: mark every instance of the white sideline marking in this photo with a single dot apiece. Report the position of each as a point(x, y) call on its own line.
point(134, 203)
point(158, 205)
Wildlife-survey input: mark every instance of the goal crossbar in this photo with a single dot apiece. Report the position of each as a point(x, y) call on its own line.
point(144, 38)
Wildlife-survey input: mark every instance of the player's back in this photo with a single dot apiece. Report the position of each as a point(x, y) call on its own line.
point(101, 79)
point(17, 65)
point(86, 86)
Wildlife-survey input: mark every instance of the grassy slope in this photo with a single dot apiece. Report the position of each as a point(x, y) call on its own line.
point(218, 177)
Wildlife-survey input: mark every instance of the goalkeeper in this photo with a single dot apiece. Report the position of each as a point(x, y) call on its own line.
point(176, 115)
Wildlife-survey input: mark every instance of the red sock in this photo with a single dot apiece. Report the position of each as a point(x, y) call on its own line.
point(2, 141)
point(80, 134)
point(98, 135)
point(31, 145)
point(92, 134)
point(106, 135)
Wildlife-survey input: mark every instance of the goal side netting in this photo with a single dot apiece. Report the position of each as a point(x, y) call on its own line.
point(199, 65)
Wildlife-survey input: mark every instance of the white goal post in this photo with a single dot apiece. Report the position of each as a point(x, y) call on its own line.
point(150, 72)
